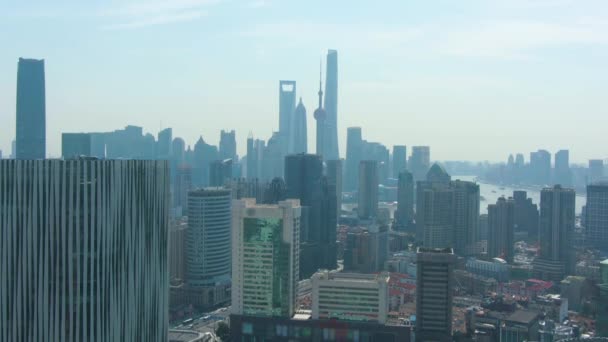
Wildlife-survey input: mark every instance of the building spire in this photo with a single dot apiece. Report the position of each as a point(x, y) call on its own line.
point(320, 82)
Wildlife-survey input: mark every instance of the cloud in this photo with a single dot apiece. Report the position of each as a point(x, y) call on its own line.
point(149, 13)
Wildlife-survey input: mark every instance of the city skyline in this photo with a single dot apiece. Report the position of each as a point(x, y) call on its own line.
point(517, 61)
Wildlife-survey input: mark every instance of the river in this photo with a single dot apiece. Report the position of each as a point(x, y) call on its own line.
point(490, 193)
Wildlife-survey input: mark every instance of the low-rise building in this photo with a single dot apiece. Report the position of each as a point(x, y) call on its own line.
point(350, 296)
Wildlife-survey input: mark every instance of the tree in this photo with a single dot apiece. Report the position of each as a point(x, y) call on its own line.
point(223, 331)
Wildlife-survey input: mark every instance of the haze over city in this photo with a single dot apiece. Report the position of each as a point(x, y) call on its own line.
point(477, 80)
point(279, 171)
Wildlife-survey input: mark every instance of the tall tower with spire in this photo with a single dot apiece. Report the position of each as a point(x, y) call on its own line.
point(331, 106)
point(321, 118)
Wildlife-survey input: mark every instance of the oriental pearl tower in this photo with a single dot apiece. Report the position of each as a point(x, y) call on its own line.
point(321, 117)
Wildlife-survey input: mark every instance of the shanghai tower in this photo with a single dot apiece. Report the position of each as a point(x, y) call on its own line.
point(31, 110)
point(331, 106)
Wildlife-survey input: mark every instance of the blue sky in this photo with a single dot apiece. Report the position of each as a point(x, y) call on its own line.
point(474, 79)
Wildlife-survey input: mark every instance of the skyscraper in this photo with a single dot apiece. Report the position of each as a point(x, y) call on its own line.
point(31, 109)
point(399, 159)
point(540, 167)
point(92, 265)
point(300, 134)
point(304, 181)
point(265, 258)
point(447, 212)
point(273, 157)
point(287, 106)
point(434, 209)
point(596, 220)
point(526, 214)
point(366, 250)
point(204, 154)
point(75, 145)
point(420, 161)
point(331, 105)
point(354, 145)
point(434, 286)
point(252, 159)
point(228, 146)
point(501, 226)
point(163, 145)
point(596, 170)
point(368, 189)
point(404, 216)
point(556, 258)
point(563, 174)
point(183, 184)
point(333, 172)
point(208, 237)
point(220, 172)
point(466, 217)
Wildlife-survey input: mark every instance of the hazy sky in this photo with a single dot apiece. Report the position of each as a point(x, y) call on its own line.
point(474, 79)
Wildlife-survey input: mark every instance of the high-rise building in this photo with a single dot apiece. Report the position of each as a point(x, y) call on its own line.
point(601, 322)
point(556, 258)
point(540, 167)
point(92, 265)
point(466, 217)
point(596, 220)
point(331, 106)
point(31, 109)
point(304, 181)
point(228, 146)
point(220, 172)
point(526, 214)
point(368, 189)
point(366, 250)
point(164, 143)
point(333, 172)
point(265, 253)
point(596, 170)
point(252, 159)
point(204, 155)
point(273, 157)
point(178, 153)
point(300, 132)
point(208, 238)
point(380, 153)
point(434, 286)
point(354, 146)
point(447, 212)
point(420, 161)
point(177, 251)
point(563, 174)
point(75, 145)
point(434, 209)
point(350, 296)
point(501, 229)
point(183, 184)
point(287, 107)
point(404, 216)
point(434, 215)
point(399, 159)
